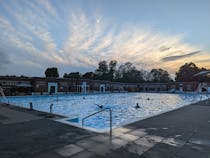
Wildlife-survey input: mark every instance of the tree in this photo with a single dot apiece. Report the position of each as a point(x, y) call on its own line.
point(51, 72)
point(186, 72)
point(65, 75)
point(102, 71)
point(112, 70)
point(88, 75)
point(146, 76)
point(128, 73)
point(73, 75)
point(159, 75)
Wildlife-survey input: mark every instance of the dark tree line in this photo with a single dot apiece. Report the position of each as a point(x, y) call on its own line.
point(127, 72)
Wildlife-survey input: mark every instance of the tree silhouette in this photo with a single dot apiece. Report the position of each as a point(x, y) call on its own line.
point(126, 72)
point(186, 72)
point(88, 75)
point(73, 75)
point(159, 75)
point(112, 70)
point(102, 71)
point(51, 72)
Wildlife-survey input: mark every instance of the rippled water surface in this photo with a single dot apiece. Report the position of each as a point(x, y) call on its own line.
point(122, 105)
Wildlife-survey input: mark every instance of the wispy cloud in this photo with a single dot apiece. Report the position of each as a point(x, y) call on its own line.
point(163, 48)
point(143, 46)
point(32, 35)
point(177, 57)
point(49, 8)
point(4, 59)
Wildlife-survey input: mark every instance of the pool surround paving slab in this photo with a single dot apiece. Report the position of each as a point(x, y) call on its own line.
point(180, 133)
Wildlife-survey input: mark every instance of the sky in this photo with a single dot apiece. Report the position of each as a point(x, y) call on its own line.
point(74, 35)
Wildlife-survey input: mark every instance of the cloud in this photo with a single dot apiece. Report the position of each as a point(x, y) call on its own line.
point(142, 46)
point(163, 48)
point(177, 57)
point(48, 7)
point(40, 35)
point(39, 43)
point(203, 61)
point(4, 59)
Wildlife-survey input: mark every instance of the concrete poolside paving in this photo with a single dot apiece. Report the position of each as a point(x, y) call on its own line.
point(181, 133)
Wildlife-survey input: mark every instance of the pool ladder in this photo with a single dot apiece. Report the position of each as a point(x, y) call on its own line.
point(2, 92)
point(110, 118)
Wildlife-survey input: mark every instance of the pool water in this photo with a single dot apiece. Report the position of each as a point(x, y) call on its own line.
point(76, 107)
point(74, 120)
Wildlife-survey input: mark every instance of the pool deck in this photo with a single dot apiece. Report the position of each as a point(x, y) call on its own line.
point(181, 133)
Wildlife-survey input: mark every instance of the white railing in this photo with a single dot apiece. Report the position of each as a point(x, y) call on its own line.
point(2, 93)
point(110, 118)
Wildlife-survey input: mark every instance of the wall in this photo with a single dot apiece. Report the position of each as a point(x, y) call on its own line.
point(40, 85)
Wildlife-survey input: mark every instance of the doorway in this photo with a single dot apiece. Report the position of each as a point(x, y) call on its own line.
point(102, 88)
point(52, 88)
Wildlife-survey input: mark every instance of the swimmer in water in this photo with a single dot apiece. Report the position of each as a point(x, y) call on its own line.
point(137, 106)
point(100, 106)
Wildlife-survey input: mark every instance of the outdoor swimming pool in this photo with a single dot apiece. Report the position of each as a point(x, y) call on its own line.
point(76, 107)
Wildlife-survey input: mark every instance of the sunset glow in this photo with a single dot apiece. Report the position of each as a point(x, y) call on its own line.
point(74, 36)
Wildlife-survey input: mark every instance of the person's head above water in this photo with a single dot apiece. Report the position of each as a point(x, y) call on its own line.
point(137, 106)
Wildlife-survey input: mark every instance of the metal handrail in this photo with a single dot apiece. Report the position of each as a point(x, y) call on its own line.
point(110, 118)
point(2, 92)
